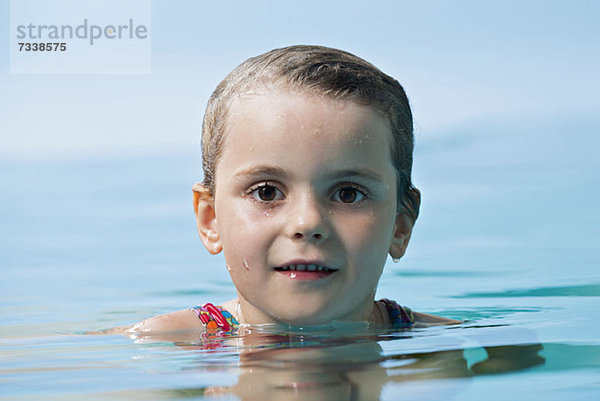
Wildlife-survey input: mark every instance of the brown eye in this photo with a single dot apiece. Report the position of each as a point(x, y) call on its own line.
point(348, 194)
point(266, 193)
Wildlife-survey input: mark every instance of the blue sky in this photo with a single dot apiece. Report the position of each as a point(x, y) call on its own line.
point(461, 62)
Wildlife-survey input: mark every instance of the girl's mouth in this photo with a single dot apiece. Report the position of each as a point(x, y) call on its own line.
point(300, 271)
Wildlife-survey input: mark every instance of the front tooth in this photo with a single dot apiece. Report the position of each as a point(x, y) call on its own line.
point(319, 268)
point(292, 267)
point(301, 268)
point(311, 268)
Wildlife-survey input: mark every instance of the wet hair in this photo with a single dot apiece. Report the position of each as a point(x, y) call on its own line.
point(322, 71)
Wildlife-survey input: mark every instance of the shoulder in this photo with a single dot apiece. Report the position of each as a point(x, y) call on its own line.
point(402, 316)
point(425, 319)
point(178, 321)
point(181, 320)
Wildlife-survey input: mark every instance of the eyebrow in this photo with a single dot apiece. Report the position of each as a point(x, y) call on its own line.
point(272, 171)
point(359, 173)
point(262, 170)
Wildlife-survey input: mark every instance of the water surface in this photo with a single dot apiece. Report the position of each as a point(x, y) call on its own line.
point(506, 240)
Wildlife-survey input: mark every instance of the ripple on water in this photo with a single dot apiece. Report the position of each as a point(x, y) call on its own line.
point(586, 290)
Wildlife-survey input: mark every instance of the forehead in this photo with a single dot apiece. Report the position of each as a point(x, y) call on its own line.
point(270, 117)
point(305, 137)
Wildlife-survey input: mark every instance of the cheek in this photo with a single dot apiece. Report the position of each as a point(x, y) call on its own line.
point(366, 243)
point(369, 229)
point(244, 233)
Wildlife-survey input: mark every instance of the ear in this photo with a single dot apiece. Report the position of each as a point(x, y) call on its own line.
point(401, 236)
point(405, 221)
point(206, 219)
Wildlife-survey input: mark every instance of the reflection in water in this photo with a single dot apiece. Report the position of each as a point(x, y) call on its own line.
point(333, 366)
point(585, 290)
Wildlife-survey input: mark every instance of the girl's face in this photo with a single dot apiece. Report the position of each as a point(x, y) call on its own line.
point(304, 207)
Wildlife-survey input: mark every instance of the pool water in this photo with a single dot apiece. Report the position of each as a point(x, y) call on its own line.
point(507, 241)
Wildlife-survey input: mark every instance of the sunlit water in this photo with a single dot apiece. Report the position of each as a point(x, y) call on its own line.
point(507, 241)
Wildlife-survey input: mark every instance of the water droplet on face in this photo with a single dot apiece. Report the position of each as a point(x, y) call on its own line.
point(292, 275)
point(267, 214)
point(395, 260)
point(245, 264)
point(228, 267)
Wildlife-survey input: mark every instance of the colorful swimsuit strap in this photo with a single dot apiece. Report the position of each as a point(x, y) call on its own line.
point(215, 317)
point(400, 317)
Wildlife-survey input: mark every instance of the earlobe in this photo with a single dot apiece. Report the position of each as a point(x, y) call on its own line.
point(206, 219)
point(401, 236)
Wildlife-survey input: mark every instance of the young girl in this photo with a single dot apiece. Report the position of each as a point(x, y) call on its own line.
point(307, 157)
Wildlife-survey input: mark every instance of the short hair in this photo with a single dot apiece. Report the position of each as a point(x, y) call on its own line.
point(324, 71)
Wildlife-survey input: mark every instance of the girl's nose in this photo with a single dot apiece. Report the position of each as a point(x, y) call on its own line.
point(315, 236)
point(307, 221)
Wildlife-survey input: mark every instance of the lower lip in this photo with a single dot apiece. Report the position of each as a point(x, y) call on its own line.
point(305, 275)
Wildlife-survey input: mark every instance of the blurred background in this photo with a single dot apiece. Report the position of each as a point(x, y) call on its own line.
point(96, 169)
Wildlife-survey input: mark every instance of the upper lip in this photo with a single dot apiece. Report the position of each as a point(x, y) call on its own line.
point(305, 265)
